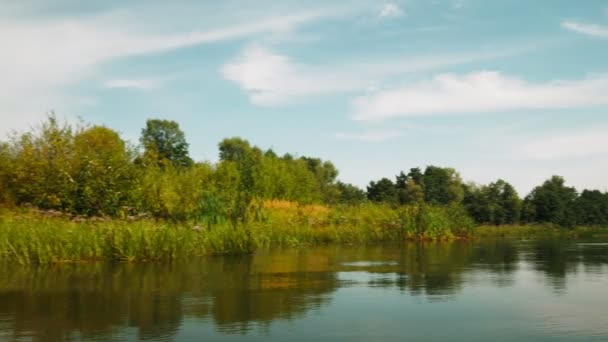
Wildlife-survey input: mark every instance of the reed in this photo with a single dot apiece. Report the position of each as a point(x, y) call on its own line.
point(30, 237)
point(540, 231)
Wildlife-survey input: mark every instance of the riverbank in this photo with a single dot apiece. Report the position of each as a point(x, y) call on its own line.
point(540, 231)
point(33, 236)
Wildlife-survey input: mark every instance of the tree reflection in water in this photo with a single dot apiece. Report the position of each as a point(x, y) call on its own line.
point(241, 293)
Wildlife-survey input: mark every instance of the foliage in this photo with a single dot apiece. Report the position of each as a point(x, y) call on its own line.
point(553, 202)
point(442, 185)
point(165, 143)
point(28, 236)
point(591, 208)
point(92, 171)
point(496, 203)
point(382, 191)
point(102, 170)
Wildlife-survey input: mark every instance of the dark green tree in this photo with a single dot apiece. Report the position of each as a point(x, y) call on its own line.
point(496, 203)
point(6, 162)
point(553, 202)
point(383, 191)
point(510, 202)
point(416, 175)
point(592, 208)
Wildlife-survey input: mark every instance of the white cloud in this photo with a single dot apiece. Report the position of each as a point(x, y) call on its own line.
point(588, 29)
point(587, 143)
point(390, 10)
point(479, 92)
point(139, 84)
point(41, 57)
point(370, 136)
point(274, 79)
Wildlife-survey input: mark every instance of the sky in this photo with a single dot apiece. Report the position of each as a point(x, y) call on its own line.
point(515, 89)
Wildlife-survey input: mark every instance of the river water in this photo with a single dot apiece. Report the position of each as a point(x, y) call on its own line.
point(490, 290)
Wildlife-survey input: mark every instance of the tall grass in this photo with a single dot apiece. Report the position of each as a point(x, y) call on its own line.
point(540, 231)
point(27, 237)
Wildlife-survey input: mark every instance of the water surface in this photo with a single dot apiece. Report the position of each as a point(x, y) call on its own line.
point(460, 291)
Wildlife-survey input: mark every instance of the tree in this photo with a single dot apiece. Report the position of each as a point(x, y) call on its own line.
point(409, 190)
point(350, 194)
point(102, 171)
point(165, 143)
point(553, 202)
point(383, 191)
point(592, 208)
point(325, 174)
point(496, 203)
point(414, 192)
point(42, 168)
point(234, 149)
point(248, 162)
point(511, 203)
point(6, 162)
point(416, 175)
point(442, 185)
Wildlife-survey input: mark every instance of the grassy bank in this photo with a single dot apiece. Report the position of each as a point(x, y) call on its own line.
point(29, 236)
point(32, 236)
point(541, 231)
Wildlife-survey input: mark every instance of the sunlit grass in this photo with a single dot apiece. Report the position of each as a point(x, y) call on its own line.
point(28, 237)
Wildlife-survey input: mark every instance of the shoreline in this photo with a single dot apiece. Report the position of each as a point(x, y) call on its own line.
point(27, 237)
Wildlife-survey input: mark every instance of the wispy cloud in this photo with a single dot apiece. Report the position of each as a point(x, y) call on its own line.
point(390, 10)
point(369, 136)
point(41, 57)
point(272, 79)
point(592, 142)
point(479, 92)
point(585, 28)
point(139, 84)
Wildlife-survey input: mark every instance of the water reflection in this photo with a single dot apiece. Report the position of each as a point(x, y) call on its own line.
point(249, 293)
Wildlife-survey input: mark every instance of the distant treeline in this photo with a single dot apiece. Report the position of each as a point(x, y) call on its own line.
point(91, 170)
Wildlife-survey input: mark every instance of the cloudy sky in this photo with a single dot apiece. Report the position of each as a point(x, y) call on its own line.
point(497, 89)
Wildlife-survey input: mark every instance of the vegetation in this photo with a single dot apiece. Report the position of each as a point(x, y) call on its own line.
point(250, 198)
point(33, 236)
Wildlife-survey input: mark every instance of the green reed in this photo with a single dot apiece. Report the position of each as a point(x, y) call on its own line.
point(34, 238)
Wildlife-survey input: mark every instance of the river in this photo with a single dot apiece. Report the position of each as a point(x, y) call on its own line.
point(489, 290)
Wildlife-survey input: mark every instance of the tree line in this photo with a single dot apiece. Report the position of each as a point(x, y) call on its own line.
point(91, 170)
point(497, 203)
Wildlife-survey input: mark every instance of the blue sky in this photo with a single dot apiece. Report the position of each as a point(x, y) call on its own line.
point(497, 89)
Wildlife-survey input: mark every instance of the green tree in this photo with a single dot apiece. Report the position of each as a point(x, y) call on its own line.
point(592, 208)
point(325, 174)
point(6, 165)
point(248, 162)
point(553, 202)
point(511, 203)
point(383, 191)
point(42, 166)
point(496, 203)
point(350, 194)
point(442, 185)
point(409, 187)
point(234, 149)
point(165, 144)
point(102, 170)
